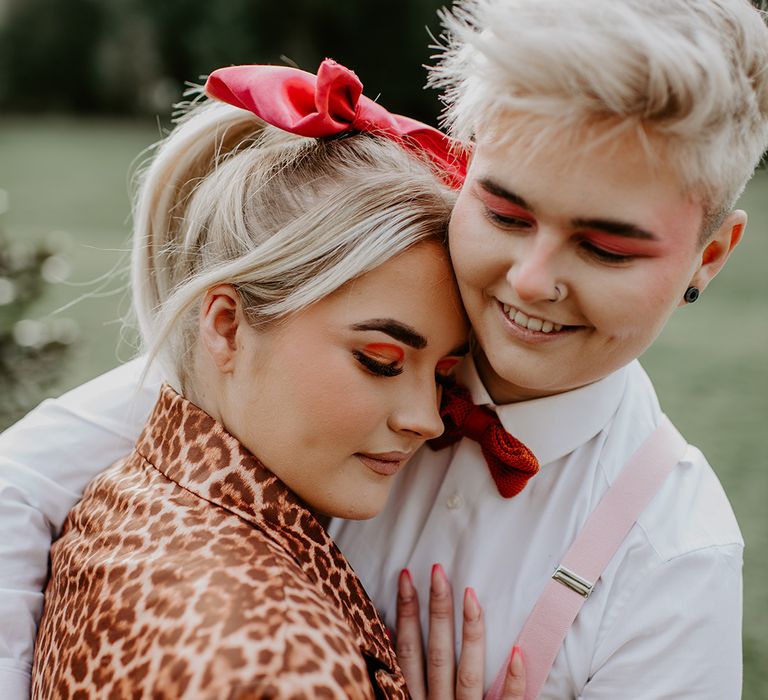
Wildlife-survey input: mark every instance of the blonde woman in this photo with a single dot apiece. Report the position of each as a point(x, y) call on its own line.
point(299, 296)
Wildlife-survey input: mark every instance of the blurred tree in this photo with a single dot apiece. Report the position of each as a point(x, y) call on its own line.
point(133, 56)
point(48, 55)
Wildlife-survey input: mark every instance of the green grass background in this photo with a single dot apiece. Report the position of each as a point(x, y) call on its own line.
point(710, 365)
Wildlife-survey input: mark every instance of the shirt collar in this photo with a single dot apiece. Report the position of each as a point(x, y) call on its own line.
point(196, 452)
point(553, 426)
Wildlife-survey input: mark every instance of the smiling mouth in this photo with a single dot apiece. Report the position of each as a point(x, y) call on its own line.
point(532, 323)
point(387, 464)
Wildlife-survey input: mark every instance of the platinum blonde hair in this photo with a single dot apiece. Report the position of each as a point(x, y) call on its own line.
point(287, 220)
point(688, 77)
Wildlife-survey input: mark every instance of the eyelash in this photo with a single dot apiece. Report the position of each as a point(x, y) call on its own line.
point(380, 369)
point(507, 221)
point(604, 255)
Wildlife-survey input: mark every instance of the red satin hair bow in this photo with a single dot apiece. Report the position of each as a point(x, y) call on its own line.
point(328, 104)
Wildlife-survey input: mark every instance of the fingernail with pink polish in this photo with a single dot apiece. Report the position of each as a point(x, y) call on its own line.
point(439, 581)
point(516, 663)
point(405, 584)
point(471, 604)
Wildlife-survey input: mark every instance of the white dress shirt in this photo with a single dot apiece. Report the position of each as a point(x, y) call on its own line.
point(664, 621)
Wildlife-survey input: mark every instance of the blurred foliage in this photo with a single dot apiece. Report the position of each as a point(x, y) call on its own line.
point(133, 56)
point(31, 351)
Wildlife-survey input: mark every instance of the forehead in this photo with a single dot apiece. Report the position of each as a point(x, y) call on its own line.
point(416, 288)
point(414, 283)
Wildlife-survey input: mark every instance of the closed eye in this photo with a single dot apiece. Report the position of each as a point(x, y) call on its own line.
point(380, 369)
point(605, 255)
point(507, 220)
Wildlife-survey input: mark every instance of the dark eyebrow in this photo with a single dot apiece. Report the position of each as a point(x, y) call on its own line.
point(497, 190)
point(395, 329)
point(616, 228)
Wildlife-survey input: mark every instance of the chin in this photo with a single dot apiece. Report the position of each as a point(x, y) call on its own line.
point(362, 508)
point(353, 500)
point(358, 512)
point(511, 381)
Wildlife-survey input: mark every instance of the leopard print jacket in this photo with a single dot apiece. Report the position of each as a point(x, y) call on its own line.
point(189, 570)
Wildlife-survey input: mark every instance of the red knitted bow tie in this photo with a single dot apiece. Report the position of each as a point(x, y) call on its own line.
point(511, 463)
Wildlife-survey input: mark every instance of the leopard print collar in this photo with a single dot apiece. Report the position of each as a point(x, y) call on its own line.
point(195, 451)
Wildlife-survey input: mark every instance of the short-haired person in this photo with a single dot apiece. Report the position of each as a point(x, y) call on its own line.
point(611, 139)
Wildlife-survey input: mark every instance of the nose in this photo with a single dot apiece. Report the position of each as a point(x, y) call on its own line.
point(417, 412)
point(533, 275)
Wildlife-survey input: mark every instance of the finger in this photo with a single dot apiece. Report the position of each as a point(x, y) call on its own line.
point(440, 645)
point(471, 669)
point(408, 643)
point(514, 682)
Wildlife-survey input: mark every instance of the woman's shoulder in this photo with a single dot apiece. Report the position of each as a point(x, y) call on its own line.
point(221, 603)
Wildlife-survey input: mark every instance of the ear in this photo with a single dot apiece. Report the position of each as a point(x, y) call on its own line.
point(221, 319)
point(718, 248)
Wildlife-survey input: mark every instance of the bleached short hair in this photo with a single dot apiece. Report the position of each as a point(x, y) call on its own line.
point(688, 77)
point(287, 220)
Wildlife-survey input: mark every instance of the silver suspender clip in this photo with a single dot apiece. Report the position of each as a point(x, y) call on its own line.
point(573, 581)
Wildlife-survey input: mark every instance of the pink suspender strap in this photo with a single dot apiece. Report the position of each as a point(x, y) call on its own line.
point(602, 534)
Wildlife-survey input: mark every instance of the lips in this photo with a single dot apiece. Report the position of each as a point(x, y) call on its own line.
point(532, 323)
point(385, 463)
point(532, 329)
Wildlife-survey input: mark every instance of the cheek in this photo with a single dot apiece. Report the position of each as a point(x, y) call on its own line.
point(475, 255)
point(631, 306)
point(334, 399)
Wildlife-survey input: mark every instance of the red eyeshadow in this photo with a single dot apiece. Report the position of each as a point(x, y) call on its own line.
point(385, 351)
point(502, 206)
point(618, 244)
point(447, 364)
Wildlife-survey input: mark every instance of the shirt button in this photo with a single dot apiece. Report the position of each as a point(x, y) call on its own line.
point(455, 501)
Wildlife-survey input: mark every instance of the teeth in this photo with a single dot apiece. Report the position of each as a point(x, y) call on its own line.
point(529, 322)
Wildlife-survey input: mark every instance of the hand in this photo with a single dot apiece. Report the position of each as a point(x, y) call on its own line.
point(444, 680)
